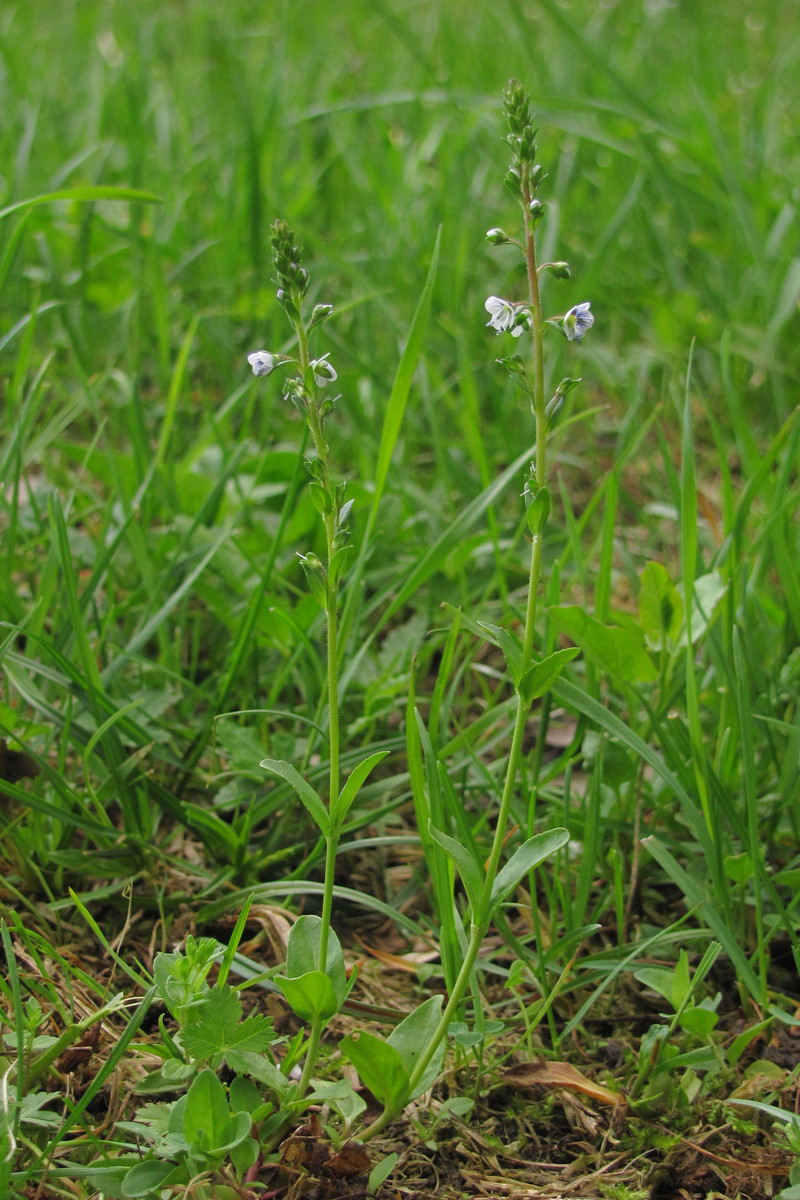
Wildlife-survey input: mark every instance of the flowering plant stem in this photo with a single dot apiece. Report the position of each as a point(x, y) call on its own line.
point(307, 391)
point(331, 619)
point(482, 917)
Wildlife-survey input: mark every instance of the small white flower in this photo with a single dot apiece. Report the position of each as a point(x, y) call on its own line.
point(506, 317)
point(262, 362)
point(502, 314)
point(323, 371)
point(578, 321)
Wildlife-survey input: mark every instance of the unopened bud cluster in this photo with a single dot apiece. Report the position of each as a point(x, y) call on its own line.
point(524, 174)
point(290, 275)
point(521, 134)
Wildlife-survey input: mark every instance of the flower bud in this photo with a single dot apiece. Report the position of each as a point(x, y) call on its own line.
point(322, 370)
point(535, 211)
point(560, 270)
point(514, 364)
point(498, 237)
point(537, 176)
point(320, 313)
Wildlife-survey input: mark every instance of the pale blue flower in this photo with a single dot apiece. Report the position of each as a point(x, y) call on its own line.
point(578, 321)
point(262, 362)
point(506, 317)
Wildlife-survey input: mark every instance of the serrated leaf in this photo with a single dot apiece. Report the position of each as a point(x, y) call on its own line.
point(310, 798)
point(524, 859)
point(538, 678)
point(217, 1028)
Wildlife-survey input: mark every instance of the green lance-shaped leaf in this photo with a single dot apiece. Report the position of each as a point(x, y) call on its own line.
point(321, 498)
point(313, 990)
point(468, 869)
point(510, 645)
point(538, 678)
point(310, 798)
point(84, 194)
point(355, 782)
point(537, 511)
point(524, 859)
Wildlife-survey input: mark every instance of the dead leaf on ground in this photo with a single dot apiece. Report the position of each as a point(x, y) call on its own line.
point(561, 1075)
point(351, 1161)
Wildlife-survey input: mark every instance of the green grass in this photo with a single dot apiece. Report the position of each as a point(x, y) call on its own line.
point(153, 496)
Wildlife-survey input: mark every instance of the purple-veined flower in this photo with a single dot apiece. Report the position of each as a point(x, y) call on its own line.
point(578, 321)
point(506, 317)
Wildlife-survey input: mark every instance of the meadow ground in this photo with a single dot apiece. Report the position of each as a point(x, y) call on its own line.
point(158, 638)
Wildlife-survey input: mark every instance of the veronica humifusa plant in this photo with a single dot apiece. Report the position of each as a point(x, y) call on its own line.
point(315, 983)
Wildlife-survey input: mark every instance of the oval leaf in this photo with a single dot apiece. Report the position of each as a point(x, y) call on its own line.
point(614, 649)
point(303, 954)
point(380, 1067)
point(310, 995)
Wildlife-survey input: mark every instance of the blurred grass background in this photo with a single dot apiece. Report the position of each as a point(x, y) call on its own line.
point(150, 487)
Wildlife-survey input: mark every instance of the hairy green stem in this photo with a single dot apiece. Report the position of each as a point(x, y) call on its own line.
point(482, 918)
point(331, 615)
